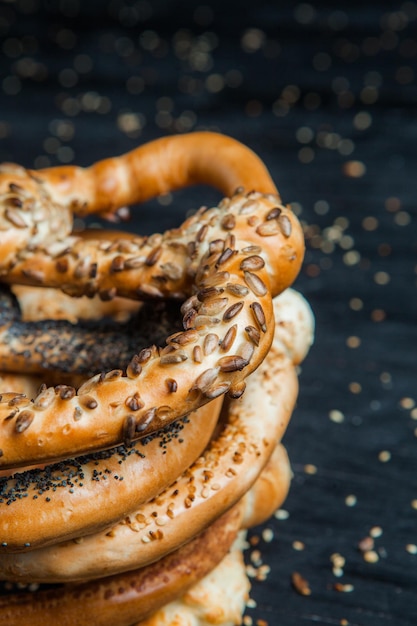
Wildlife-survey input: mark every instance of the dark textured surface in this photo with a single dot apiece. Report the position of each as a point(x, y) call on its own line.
point(326, 93)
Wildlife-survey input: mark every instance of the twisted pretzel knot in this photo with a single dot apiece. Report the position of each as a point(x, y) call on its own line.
point(228, 261)
point(225, 266)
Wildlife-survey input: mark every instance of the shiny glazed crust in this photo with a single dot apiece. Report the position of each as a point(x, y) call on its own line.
point(227, 263)
point(216, 481)
point(121, 600)
point(85, 495)
point(101, 595)
point(169, 583)
point(232, 304)
point(218, 599)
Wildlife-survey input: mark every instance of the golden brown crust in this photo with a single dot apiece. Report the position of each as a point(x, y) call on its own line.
point(270, 490)
point(123, 599)
point(218, 596)
point(158, 167)
point(218, 599)
point(217, 480)
point(232, 284)
point(40, 303)
point(127, 597)
point(231, 258)
point(82, 496)
point(165, 265)
point(229, 262)
point(36, 206)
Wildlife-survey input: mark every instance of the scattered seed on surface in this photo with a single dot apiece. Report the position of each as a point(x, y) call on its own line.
point(300, 584)
point(370, 556)
point(351, 500)
point(336, 416)
point(281, 514)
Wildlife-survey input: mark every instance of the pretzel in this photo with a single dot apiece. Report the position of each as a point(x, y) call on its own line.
point(60, 501)
point(215, 482)
point(229, 261)
point(120, 599)
point(87, 347)
point(222, 595)
point(38, 205)
point(60, 306)
point(123, 599)
point(104, 486)
point(219, 598)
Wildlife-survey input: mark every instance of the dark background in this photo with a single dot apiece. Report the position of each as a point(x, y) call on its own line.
point(326, 93)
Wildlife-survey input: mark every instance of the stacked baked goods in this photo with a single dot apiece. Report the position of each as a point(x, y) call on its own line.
point(135, 453)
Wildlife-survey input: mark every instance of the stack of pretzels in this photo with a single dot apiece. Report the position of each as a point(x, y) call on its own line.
point(160, 374)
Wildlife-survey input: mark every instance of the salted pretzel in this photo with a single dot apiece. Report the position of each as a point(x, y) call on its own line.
point(228, 260)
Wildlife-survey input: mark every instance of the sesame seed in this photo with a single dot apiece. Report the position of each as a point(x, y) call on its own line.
point(281, 514)
point(376, 531)
point(350, 500)
point(407, 403)
point(336, 416)
point(355, 387)
point(384, 456)
point(300, 584)
point(411, 548)
point(267, 535)
point(353, 342)
point(346, 588)
point(370, 556)
point(366, 544)
point(338, 560)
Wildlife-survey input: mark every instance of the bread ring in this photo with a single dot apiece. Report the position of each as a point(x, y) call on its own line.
point(40, 303)
point(105, 487)
point(121, 600)
point(80, 496)
point(37, 206)
point(165, 265)
point(219, 598)
point(116, 600)
point(232, 303)
point(158, 167)
point(215, 482)
point(86, 347)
